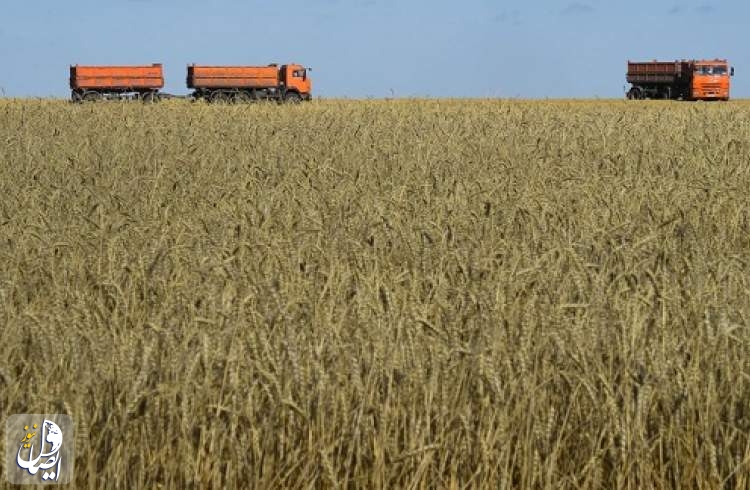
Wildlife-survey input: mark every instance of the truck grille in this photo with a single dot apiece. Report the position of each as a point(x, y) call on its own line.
point(711, 90)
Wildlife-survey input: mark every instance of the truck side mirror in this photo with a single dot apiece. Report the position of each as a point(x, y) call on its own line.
point(731, 72)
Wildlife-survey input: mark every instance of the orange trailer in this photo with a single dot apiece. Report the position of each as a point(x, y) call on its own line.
point(290, 82)
point(100, 82)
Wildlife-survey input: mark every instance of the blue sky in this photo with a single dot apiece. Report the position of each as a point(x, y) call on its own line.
point(377, 48)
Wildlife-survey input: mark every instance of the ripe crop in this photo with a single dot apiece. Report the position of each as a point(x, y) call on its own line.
point(381, 294)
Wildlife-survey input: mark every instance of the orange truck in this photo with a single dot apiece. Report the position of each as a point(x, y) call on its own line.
point(116, 82)
point(289, 83)
point(679, 80)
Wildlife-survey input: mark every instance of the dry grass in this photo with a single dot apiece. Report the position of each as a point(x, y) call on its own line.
point(403, 294)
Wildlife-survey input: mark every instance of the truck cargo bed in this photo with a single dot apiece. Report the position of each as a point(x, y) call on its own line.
point(147, 77)
point(658, 71)
point(199, 77)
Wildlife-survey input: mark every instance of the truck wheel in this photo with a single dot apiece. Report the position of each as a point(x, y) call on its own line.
point(75, 96)
point(240, 97)
point(635, 94)
point(150, 98)
point(92, 96)
point(292, 98)
point(218, 96)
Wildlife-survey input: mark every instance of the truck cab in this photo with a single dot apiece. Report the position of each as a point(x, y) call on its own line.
point(296, 79)
point(711, 80)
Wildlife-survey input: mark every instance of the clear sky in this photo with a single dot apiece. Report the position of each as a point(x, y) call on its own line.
point(377, 48)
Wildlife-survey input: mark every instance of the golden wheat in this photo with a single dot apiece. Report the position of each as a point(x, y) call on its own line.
point(387, 294)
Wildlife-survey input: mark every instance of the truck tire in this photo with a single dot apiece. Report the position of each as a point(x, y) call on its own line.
point(218, 97)
point(635, 93)
point(92, 96)
point(150, 97)
point(292, 98)
point(240, 97)
point(75, 96)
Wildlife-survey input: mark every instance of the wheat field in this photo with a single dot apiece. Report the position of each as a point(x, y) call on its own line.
point(381, 294)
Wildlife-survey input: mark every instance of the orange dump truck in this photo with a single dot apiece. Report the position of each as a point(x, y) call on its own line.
point(289, 83)
point(681, 80)
point(116, 82)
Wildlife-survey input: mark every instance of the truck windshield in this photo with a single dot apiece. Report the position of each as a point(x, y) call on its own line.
point(711, 70)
